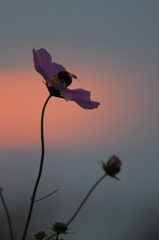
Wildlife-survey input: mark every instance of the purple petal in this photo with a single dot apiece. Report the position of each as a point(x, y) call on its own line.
point(88, 105)
point(56, 68)
point(43, 64)
point(65, 92)
point(80, 96)
point(74, 95)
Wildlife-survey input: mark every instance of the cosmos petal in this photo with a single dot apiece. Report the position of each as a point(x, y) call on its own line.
point(65, 92)
point(43, 64)
point(80, 95)
point(88, 105)
point(74, 95)
point(56, 68)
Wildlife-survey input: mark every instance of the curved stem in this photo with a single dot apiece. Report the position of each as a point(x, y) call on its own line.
point(84, 200)
point(81, 205)
point(40, 169)
point(8, 217)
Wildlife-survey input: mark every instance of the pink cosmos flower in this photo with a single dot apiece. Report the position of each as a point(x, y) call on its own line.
point(57, 79)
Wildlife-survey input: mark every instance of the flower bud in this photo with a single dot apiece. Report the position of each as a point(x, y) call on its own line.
point(112, 166)
point(39, 235)
point(60, 227)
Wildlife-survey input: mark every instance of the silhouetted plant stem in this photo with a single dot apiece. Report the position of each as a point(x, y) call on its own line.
point(81, 205)
point(84, 200)
point(7, 214)
point(40, 170)
point(57, 236)
point(46, 196)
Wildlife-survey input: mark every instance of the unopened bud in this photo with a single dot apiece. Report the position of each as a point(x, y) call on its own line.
point(60, 227)
point(112, 166)
point(39, 235)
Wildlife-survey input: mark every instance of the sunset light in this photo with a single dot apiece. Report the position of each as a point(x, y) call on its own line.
point(23, 95)
point(79, 94)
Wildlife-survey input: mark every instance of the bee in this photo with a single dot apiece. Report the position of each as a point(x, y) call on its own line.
point(66, 77)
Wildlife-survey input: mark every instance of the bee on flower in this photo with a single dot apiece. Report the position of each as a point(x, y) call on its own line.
point(57, 80)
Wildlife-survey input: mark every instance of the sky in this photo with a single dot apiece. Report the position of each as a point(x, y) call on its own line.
point(112, 47)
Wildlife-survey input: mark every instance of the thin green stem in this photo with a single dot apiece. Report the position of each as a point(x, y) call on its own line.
point(86, 197)
point(18, 231)
point(57, 236)
point(81, 205)
point(7, 214)
point(40, 170)
point(46, 196)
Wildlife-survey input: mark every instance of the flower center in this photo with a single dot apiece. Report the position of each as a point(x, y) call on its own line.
point(54, 80)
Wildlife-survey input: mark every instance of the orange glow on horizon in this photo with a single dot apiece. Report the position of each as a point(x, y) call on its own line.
point(23, 95)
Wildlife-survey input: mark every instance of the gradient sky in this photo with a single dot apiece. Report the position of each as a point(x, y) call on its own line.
point(112, 47)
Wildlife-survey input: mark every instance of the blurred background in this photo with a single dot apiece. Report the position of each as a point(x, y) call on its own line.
point(112, 47)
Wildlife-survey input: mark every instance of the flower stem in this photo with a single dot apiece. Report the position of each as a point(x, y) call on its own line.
point(40, 170)
point(81, 205)
point(86, 197)
point(57, 236)
point(46, 196)
point(7, 214)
